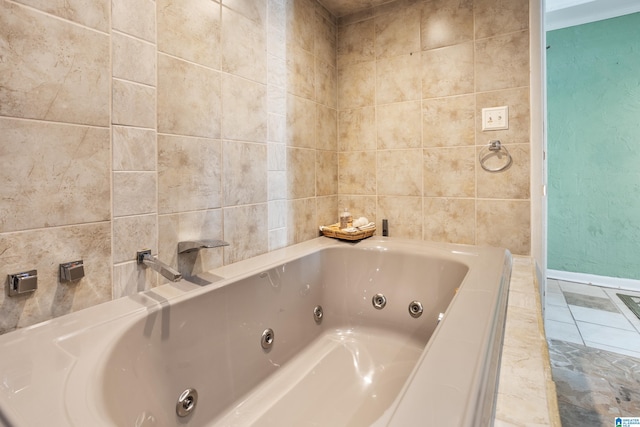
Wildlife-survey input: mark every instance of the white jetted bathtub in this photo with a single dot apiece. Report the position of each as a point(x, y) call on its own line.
point(324, 333)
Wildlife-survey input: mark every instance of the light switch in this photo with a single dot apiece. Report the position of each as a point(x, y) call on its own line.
point(495, 118)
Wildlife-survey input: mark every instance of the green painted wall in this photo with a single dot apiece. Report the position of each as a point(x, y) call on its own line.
point(593, 82)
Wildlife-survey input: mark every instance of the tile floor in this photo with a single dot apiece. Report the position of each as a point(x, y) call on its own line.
point(594, 348)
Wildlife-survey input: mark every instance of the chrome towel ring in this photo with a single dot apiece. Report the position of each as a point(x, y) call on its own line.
point(494, 149)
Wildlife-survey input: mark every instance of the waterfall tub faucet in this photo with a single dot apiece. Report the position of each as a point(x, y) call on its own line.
point(196, 245)
point(145, 257)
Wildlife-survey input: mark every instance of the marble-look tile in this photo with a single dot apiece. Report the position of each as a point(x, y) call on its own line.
point(562, 331)
point(555, 299)
point(244, 177)
point(352, 11)
point(277, 43)
point(326, 84)
point(357, 85)
point(449, 220)
point(398, 31)
point(129, 279)
point(132, 234)
point(493, 17)
point(244, 116)
point(244, 46)
point(448, 71)
point(446, 22)
point(358, 206)
point(583, 289)
point(277, 185)
point(301, 122)
point(190, 30)
point(276, 15)
point(326, 173)
point(245, 228)
point(300, 23)
point(523, 300)
point(46, 249)
point(399, 125)
point(601, 317)
point(553, 286)
point(609, 336)
point(302, 220)
point(276, 128)
point(518, 102)
point(133, 104)
point(276, 157)
point(301, 78)
point(135, 17)
point(325, 40)
point(448, 121)
point(189, 174)
point(512, 232)
point(276, 100)
point(449, 172)
point(255, 10)
point(404, 215)
point(276, 71)
point(521, 375)
point(326, 210)
point(356, 43)
point(134, 193)
point(133, 149)
point(502, 62)
point(199, 225)
point(399, 172)
point(521, 330)
point(57, 72)
point(188, 98)
point(511, 183)
point(558, 313)
point(301, 179)
point(277, 239)
point(599, 303)
point(133, 59)
point(398, 79)
point(277, 210)
point(52, 174)
point(357, 129)
point(357, 173)
point(528, 409)
point(93, 13)
point(326, 128)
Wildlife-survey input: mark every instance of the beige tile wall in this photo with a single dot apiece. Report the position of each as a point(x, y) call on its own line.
point(413, 77)
point(130, 124)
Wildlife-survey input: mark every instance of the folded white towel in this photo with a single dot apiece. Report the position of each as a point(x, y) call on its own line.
point(352, 229)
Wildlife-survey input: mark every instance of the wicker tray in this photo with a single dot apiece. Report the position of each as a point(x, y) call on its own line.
point(334, 231)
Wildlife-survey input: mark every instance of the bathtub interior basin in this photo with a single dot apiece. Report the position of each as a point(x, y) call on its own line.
point(356, 364)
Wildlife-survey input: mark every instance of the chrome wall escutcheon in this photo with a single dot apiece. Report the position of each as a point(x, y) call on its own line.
point(186, 402)
point(379, 301)
point(22, 283)
point(318, 313)
point(71, 271)
point(267, 338)
point(415, 309)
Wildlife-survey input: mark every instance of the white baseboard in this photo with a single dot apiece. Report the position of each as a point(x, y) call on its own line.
point(592, 279)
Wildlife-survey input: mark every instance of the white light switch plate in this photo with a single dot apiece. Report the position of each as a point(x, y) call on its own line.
point(495, 118)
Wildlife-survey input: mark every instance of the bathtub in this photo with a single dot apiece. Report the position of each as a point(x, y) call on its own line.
point(383, 332)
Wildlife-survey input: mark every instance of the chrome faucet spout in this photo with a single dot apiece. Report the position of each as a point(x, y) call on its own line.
point(196, 245)
point(145, 257)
